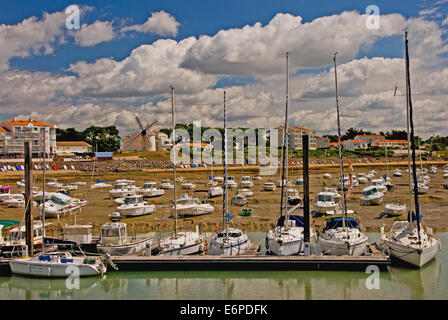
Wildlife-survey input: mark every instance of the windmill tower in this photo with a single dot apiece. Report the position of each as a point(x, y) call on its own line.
point(146, 136)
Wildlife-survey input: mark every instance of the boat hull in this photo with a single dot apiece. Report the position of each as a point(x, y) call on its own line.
point(409, 255)
point(52, 270)
point(341, 248)
point(125, 249)
point(185, 250)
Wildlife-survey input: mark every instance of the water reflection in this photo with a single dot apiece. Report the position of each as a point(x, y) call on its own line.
point(430, 282)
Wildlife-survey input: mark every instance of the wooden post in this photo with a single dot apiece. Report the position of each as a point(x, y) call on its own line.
point(306, 195)
point(28, 198)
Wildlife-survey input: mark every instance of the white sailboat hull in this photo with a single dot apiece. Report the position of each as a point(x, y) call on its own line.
point(371, 201)
point(339, 248)
point(185, 250)
point(413, 256)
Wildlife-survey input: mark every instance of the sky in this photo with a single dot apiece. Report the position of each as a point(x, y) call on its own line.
point(121, 61)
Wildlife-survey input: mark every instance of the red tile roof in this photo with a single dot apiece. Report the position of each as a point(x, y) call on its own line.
point(16, 122)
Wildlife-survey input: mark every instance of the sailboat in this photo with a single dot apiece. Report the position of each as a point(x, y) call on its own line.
point(227, 241)
point(408, 240)
point(342, 235)
point(184, 242)
point(287, 238)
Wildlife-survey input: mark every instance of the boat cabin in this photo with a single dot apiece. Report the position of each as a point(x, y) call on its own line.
point(133, 200)
point(120, 186)
point(150, 185)
point(78, 233)
point(325, 197)
point(370, 191)
point(113, 233)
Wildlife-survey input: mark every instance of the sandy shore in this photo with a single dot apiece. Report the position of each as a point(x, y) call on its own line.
point(434, 204)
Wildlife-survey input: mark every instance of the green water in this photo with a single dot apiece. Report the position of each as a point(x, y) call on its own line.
point(430, 282)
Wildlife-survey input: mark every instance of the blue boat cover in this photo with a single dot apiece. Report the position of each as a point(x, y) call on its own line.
point(299, 220)
point(44, 258)
point(98, 180)
point(336, 222)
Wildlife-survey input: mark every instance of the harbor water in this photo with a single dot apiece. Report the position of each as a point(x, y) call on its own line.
point(430, 282)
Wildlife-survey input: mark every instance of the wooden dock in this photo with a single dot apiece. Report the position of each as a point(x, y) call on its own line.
point(252, 260)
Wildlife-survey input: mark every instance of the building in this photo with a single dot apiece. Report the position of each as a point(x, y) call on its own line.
point(322, 143)
point(15, 132)
point(295, 137)
point(72, 147)
point(354, 144)
point(101, 156)
point(397, 144)
point(369, 137)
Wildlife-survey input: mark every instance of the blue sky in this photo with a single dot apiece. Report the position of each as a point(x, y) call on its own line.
point(197, 17)
point(126, 67)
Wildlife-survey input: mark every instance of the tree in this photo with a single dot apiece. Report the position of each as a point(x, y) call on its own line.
point(103, 138)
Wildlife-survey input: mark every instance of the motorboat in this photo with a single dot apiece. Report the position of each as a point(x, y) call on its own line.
point(165, 184)
point(59, 205)
point(115, 241)
point(337, 196)
point(394, 209)
point(229, 242)
point(371, 196)
point(379, 184)
point(336, 239)
point(5, 193)
point(433, 170)
point(362, 178)
point(246, 182)
point(246, 192)
point(231, 183)
point(121, 190)
point(353, 183)
point(150, 190)
point(134, 206)
point(76, 238)
point(327, 175)
point(422, 188)
point(188, 185)
point(215, 191)
point(299, 182)
point(191, 207)
point(17, 200)
point(57, 265)
point(293, 197)
point(239, 200)
point(182, 243)
point(397, 173)
point(100, 185)
point(269, 186)
point(325, 203)
point(257, 177)
point(15, 244)
point(53, 183)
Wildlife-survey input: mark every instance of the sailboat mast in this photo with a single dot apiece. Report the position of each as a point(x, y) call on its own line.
point(43, 193)
point(409, 138)
point(224, 194)
point(285, 138)
point(411, 123)
point(341, 166)
point(173, 123)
